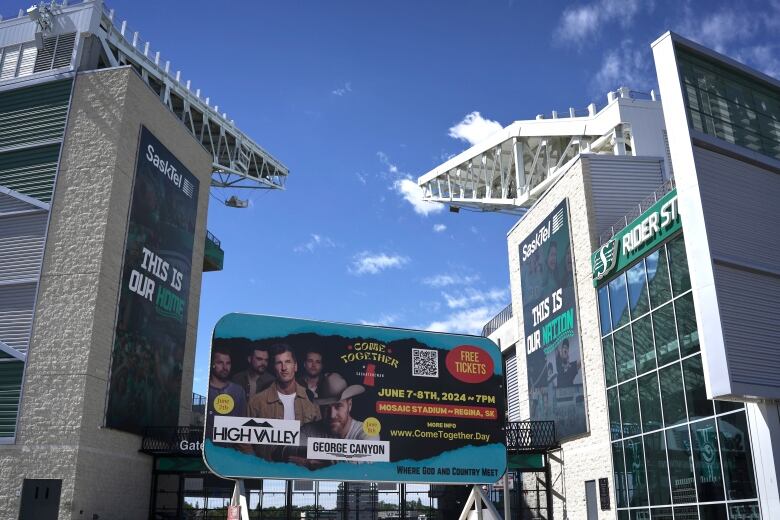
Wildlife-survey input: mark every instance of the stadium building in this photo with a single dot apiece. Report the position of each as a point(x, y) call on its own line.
point(107, 157)
point(645, 287)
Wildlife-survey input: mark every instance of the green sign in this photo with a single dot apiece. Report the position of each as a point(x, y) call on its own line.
point(648, 230)
point(525, 461)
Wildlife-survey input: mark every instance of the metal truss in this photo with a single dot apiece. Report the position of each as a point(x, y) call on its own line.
point(238, 161)
point(512, 169)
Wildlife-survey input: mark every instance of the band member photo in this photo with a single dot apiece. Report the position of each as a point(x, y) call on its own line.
point(256, 377)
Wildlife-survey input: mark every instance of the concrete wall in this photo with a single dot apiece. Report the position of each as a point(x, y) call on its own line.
point(586, 457)
point(60, 432)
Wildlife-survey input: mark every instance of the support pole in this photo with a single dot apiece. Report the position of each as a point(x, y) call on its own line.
point(478, 499)
point(239, 499)
point(507, 508)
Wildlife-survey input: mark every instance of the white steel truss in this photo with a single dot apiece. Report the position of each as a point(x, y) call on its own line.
point(238, 162)
point(510, 170)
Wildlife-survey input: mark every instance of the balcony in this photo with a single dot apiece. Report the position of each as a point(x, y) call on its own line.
point(213, 255)
point(531, 437)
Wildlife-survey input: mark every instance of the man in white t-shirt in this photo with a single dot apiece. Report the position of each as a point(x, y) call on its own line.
point(284, 399)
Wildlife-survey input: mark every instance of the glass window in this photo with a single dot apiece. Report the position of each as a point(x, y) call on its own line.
point(665, 335)
point(629, 409)
point(614, 413)
point(672, 395)
point(606, 324)
point(737, 457)
point(609, 361)
point(643, 345)
point(658, 278)
point(713, 512)
point(686, 513)
point(662, 513)
point(623, 515)
point(686, 324)
point(680, 467)
point(706, 458)
point(744, 511)
point(637, 290)
point(657, 470)
point(621, 498)
point(618, 301)
point(640, 514)
point(635, 472)
point(698, 404)
point(678, 266)
point(727, 406)
point(650, 402)
point(624, 354)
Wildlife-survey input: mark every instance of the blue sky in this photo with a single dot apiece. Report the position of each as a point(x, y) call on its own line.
point(360, 98)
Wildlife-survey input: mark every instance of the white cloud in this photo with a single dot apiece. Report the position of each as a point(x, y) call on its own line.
point(413, 194)
point(439, 228)
point(391, 168)
point(762, 57)
point(467, 321)
point(474, 128)
point(470, 296)
point(626, 65)
point(374, 263)
point(445, 280)
point(341, 91)
point(315, 242)
point(583, 22)
point(383, 319)
point(361, 178)
point(718, 29)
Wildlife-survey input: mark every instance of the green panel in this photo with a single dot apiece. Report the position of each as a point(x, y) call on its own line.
point(10, 392)
point(30, 171)
point(34, 113)
point(30, 117)
point(525, 461)
point(213, 256)
point(180, 464)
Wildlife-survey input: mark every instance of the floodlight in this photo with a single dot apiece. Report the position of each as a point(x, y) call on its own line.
point(34, 12)
point(235, 202)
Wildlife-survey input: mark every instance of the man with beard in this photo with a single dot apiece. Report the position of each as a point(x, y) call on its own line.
point(255, 378)
point(225, 397)
point(284, 399)
point(335, 401)
point(312, 373)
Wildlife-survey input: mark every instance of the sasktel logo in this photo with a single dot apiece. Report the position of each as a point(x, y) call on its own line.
point(169, 170)
point(605, 260)
point(544, 234)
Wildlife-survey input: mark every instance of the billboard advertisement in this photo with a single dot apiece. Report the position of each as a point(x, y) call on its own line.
point(299, 399)
point(552, 339)
point(151, 324)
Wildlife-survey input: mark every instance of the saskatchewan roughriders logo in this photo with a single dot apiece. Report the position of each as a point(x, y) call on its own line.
point(604, 259)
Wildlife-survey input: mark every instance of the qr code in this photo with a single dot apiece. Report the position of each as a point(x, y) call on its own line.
point(425, 363)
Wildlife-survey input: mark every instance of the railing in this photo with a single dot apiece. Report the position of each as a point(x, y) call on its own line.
point(210, 236)
point(498, 320)
point(173, 440)
point(624, 221)
point(531, 436)
point(198, 401)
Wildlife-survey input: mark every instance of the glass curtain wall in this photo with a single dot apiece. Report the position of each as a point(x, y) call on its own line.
point(675, 453)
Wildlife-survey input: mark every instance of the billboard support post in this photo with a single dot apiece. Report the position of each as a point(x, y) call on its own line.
point(238, 500)
point(478, 499)
point(507, 511)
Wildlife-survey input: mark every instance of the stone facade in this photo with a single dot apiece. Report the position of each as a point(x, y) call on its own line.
point(60, 431)
point(586, 457)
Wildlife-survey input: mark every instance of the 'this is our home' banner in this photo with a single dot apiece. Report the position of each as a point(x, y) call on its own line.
point(151, 326)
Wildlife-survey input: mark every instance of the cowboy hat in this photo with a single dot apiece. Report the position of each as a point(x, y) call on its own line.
point(333, 388)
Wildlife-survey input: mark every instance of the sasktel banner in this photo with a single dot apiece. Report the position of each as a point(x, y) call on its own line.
point(552, 338)
point(299, 399)
point(151, 325)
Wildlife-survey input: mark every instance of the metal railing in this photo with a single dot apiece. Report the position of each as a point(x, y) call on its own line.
point(643, 206)
point(531, 436)
point(210, 236)
point(498, 320)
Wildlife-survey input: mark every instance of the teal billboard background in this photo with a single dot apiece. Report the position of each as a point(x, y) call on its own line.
point(442, 428)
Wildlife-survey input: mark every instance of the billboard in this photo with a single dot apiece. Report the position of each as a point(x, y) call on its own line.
point(151, 324)
point(299, 399)
point(552, 339)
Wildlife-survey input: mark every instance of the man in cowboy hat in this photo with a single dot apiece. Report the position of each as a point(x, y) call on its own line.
point(335, 401)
